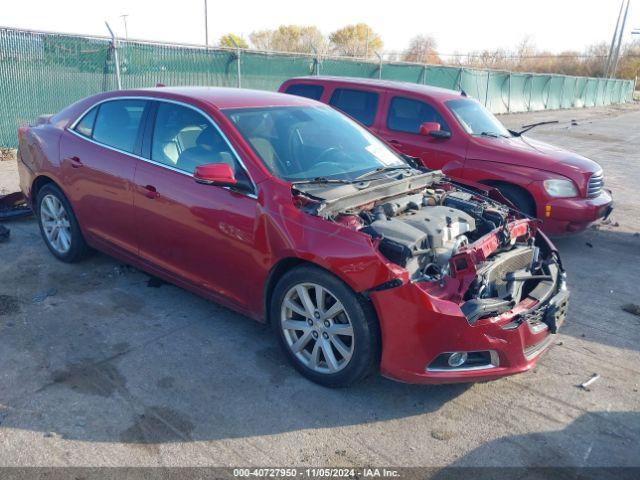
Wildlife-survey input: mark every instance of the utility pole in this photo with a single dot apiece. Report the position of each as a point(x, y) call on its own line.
point(116, 61)
point(617, 57)
point(636, 31)
point(124, 19)
point(206, 26)
point(607, 64)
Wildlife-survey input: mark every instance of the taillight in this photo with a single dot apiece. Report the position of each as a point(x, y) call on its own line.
point(21, 131)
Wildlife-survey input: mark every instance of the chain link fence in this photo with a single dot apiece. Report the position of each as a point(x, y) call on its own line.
point(42, 72)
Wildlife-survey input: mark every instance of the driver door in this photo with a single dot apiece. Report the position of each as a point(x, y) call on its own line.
point(201, 234)
point(402, 130)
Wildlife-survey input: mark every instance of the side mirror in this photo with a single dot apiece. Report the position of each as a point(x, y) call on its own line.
point(220, 174)
point(432, 129)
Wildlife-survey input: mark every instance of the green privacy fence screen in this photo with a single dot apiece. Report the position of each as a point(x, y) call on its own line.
point(42, 72)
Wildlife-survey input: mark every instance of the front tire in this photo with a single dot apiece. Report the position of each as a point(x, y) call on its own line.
point(59, 226)
point(520, 199)
point(327, 332)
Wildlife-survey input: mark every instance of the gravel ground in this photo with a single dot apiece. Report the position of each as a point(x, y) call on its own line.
point(99, 368)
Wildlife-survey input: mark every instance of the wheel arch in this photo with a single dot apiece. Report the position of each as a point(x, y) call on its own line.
point(285, 265)
point(37, 184)
point(275, 274)
point(502, 183)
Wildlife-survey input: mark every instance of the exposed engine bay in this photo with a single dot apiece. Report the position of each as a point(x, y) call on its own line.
point(421, 232)
point(426, 227)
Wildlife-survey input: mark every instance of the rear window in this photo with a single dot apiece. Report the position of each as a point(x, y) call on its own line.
point(306, 90)
point(118, 122)
point(85, 126)
point(406, 115)
point(358, 104)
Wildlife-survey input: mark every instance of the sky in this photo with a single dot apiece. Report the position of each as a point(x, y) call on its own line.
point(457, 25)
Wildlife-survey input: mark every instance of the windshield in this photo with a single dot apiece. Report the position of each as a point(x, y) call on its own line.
point(304, 143)
point(476, 119)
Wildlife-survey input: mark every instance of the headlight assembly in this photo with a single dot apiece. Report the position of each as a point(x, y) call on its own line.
point(560, 188)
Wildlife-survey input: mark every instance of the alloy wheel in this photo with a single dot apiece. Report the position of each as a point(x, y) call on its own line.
point(55, 223)
point(317, 328)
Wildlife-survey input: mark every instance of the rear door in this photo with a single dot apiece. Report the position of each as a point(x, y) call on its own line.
point(359, 103)
point(401, 128)
point(307, 90)
point(201, 234)
point(98, 158)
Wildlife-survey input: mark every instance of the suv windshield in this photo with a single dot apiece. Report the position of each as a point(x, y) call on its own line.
point(476, 119)
point(304, 143)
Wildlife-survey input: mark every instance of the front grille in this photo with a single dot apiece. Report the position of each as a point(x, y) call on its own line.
point(596, 182)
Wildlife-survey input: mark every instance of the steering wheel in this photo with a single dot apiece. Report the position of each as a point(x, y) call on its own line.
point(325, 153)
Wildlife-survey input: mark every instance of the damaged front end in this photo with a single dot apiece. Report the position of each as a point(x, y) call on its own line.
point(485, 289)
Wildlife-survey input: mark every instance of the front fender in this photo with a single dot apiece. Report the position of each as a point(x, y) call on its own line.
point(483, 170)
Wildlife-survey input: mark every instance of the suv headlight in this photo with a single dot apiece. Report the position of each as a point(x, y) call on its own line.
point(560, 188)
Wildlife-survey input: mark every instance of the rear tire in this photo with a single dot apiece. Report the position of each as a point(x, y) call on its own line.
point(328, 333)
point(59, 226)
point(520, 199)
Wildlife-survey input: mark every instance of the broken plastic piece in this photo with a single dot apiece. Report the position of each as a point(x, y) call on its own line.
point(585, 385)
point(14, 205)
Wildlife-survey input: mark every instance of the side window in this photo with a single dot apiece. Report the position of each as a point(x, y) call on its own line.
point(183, 138)
point(359, 104)
point(85, 126)
point(117, 123)
point(406, 115)
point(313, 92)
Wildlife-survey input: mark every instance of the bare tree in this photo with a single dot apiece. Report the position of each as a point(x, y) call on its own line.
point(356, 41)
point(290, 38)
point(422, 49)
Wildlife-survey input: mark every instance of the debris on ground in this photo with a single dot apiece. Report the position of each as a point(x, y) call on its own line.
point(632, 308)
point(4, 234)
point(589, 244)
point(42, 296)
point(585, 385)
point(14, 205)
point(442, 435)
point(122, 269)
point(7, 154)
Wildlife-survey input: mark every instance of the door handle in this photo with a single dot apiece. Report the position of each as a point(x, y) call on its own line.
point(75, 162)
point(151, 192)
point(395, 142)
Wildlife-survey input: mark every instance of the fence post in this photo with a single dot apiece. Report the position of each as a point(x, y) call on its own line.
point(486, 93)
point(114, 46)
point(379, 65)
point(460, 78)
point(509, 95)
point(316, 59)
point(237, 60)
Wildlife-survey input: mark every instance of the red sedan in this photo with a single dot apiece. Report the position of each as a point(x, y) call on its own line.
point(291, 213)
point(456, 134)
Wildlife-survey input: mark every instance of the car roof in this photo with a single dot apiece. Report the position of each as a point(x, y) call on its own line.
point(221, 97)
point(427, 90)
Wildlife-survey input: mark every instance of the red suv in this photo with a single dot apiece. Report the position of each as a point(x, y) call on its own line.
point(290, 212)
point(451, 132)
